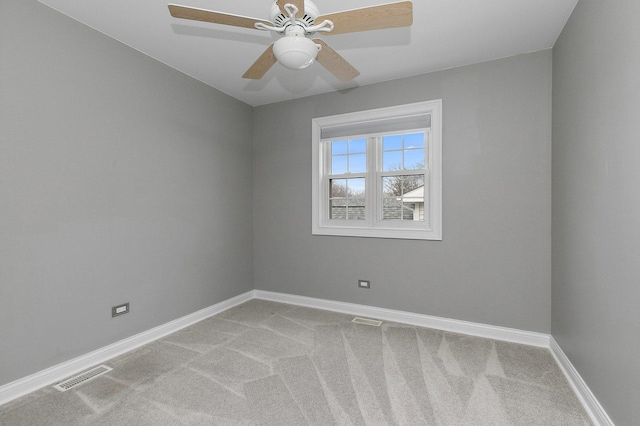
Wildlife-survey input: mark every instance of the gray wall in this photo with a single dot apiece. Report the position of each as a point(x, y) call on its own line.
point(121, 180)
point(494, 263)
point(596, 200)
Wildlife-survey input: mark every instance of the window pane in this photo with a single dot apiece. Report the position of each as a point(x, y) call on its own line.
point(338, 188)
point(358, 163)
point(338, 209)
point(391, 161)
point(349, 156)
point(357, 146)
point(347, 199)
point(339, 165)
point(391, 142)
point(391, 209)
point(403, 197)
point(338, 147)
point(356, 209)
point(392, 186)
point(413, 211)
point(414, 140)
point(409, 211)
point(411, 183)
point(356, 187)
point(414, 159)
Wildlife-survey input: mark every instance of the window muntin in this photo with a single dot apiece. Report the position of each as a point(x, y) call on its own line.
point(380, 183)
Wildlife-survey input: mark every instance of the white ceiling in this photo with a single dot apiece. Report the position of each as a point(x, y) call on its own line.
point(444, 34)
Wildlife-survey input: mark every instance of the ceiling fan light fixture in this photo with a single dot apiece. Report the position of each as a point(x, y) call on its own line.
point(298, 21)
point(295, 53)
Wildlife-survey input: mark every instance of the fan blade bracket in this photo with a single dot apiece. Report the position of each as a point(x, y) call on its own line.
point(299, 4)
point(325, 26)
point(264, 27)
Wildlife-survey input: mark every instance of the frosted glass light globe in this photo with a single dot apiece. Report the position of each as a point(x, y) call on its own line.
point(294, 52)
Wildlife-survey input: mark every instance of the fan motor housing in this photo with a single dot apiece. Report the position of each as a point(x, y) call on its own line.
point(279, 19)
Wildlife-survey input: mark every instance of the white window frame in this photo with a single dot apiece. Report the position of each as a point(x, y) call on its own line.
point(430, 228)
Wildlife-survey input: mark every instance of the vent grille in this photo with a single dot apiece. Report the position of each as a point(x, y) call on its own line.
point(367, 321)
point(81, 378)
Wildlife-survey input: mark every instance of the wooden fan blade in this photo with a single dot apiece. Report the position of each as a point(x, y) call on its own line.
point(334, 63)
point(196, 14)
point(391, 15)
point(297, 3)
point(262, 65)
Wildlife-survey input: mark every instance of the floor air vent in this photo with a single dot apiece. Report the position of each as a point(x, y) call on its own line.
point(81, 378)
point(367, 321)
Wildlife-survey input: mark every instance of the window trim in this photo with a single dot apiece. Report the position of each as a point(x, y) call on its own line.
point(373, 227)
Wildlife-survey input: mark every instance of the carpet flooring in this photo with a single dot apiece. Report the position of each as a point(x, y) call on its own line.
point(267, 363)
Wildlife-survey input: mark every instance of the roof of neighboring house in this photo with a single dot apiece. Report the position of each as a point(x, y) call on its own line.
point(392, 208)
point(415, 196)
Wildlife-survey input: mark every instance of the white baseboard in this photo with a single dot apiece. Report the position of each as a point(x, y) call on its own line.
point(586, 397)
point(598, 416)
point(456, 326)
point(61, 371)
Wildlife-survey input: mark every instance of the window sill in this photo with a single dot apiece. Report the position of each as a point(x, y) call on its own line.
point(394, 233)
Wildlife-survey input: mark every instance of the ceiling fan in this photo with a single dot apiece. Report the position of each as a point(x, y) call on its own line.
point(297, 21)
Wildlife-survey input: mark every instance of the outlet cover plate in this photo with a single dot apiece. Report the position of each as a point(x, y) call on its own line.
point(120, 310)
point(364, 284)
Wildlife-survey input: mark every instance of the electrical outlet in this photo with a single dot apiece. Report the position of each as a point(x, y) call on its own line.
point(120, 310)
point(364, 284)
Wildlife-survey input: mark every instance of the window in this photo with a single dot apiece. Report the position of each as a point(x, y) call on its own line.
point(378, 173)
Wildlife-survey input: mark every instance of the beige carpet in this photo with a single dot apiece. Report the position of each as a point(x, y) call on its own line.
point(266, 363)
